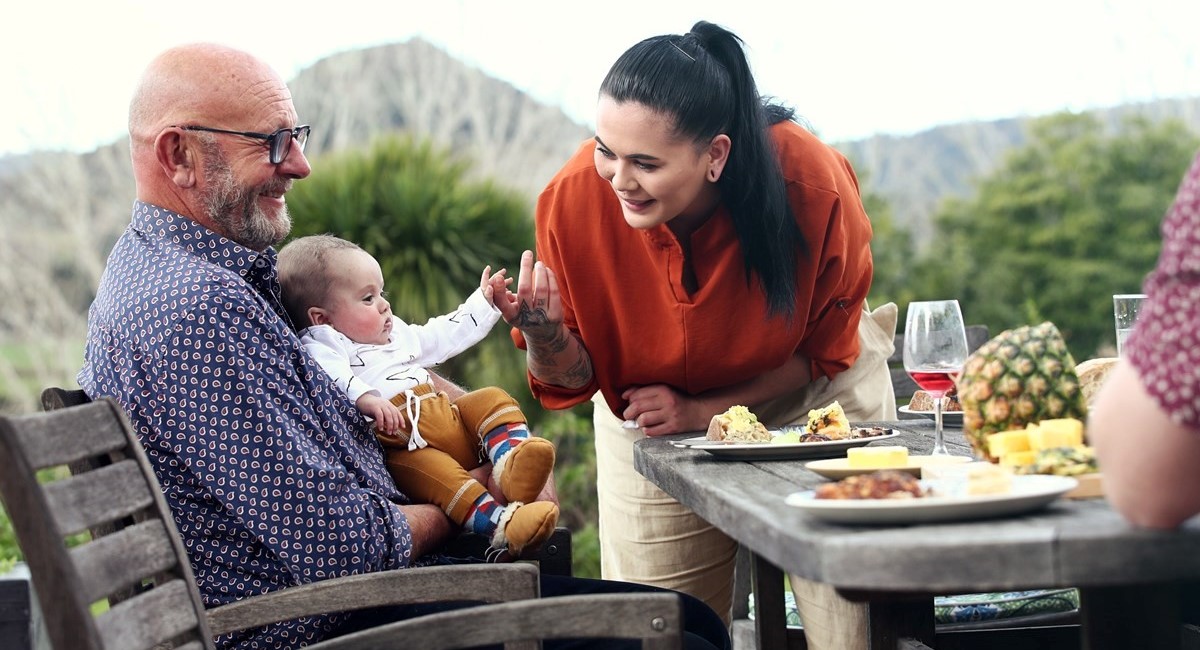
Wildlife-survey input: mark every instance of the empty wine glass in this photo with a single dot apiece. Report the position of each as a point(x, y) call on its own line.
point(935, 349)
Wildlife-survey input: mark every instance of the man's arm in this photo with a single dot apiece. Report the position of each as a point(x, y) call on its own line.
point(452, 390)
point(429, 526)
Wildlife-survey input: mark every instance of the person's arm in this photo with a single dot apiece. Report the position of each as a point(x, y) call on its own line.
point(429, 526)
point(661, 410)
point(553, 353)
point(441, 384)
point(1150, 463)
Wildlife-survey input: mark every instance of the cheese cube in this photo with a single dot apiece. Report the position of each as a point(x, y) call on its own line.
point(1007, 442)
point(880, 457)
point(1062, 432)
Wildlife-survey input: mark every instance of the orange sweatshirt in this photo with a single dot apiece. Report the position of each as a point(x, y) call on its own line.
point(623, 292)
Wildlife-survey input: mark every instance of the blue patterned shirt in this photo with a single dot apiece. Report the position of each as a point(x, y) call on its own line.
point(272, 475)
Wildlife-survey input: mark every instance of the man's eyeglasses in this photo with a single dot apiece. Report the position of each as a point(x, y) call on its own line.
point(279, 142)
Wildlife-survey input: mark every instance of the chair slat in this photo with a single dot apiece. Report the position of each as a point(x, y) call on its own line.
point(483, 582)
point(154, 617)
point(655, 618)
point(53, 439)
point(107, 565)
point(100, 496)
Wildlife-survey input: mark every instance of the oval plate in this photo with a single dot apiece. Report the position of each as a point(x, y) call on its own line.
point(839, 468)
point(778, 450)
point(1029, 492)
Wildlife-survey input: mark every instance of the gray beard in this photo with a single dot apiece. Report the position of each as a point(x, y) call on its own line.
point(235, 208)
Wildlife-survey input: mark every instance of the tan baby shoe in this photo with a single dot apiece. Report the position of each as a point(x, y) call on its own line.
point(525, 525)
point(523, 472)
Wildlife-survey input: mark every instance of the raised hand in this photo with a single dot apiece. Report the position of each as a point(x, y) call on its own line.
point(536, 308)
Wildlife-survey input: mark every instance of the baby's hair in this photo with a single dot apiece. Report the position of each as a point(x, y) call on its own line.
point(304, 275)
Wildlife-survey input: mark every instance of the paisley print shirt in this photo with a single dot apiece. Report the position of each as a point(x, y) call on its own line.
point(273, 477)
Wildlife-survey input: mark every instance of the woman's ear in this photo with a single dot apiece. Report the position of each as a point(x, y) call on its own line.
point(176, 157)
point(718, 155)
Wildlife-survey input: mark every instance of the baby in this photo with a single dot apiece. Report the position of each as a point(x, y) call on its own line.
point(333, 291)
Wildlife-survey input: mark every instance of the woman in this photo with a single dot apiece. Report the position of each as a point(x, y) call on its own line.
point(1145, 424)
point(703, 251)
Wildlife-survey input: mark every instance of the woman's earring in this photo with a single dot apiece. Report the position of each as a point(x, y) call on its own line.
point(712, 174)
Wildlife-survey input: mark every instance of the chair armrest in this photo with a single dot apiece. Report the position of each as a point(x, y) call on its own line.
point(553, 557)
point(473, 582)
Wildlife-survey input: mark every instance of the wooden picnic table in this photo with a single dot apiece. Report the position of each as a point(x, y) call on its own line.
point(1130, 580)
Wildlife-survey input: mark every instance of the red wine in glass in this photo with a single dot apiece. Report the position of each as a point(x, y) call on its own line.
point(935, 382)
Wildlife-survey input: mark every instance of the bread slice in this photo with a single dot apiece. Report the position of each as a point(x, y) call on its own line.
point(1092, 374)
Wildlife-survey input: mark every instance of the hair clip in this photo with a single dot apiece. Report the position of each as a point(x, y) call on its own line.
point(682, 52)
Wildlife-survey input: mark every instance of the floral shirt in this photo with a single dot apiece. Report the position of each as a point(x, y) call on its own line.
point(1164, 346)
point(273, 477)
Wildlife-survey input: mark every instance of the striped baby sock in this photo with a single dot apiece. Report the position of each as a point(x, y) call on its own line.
point(483, 515)
point(502, 439)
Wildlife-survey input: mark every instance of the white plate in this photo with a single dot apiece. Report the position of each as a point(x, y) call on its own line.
point(777, 451)
point(839, 468)
point(1029, 492)
point(949, 418)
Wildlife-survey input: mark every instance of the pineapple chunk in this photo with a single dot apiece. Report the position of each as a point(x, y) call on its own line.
point(1061, 432)
point(1018, 458)
point(880, 457)
point(1007, 442)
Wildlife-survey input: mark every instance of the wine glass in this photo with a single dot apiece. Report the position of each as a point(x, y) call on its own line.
point(935, 349)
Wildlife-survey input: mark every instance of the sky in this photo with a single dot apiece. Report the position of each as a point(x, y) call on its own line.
point(851, 68)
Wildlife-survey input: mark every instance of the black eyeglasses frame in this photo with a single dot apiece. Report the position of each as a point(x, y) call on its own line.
point(278, 145)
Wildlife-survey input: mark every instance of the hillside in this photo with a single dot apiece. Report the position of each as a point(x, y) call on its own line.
point(61, 212)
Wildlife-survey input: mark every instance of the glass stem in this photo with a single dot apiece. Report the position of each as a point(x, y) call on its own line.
point(939, 444)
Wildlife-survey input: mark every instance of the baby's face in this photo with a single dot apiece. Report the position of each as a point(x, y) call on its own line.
point(356, 305)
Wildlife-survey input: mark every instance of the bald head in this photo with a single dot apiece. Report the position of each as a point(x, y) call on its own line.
point(201, 83)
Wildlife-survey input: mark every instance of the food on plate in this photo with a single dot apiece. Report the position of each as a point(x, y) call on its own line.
point(1048, 447)
point(1062, 461)
point(883, 484)
point(880, 457)
point(1004, 443)
point(790, 436)
point(1092, 374)
point(830, 421)
point(923, 401)
point(737, 424)
point(1023, 375)
point(967, 479)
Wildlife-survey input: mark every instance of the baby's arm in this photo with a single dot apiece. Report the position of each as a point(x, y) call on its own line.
point(387, 417)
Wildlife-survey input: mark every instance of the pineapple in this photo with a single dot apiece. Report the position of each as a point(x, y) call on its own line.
point(1022, 376)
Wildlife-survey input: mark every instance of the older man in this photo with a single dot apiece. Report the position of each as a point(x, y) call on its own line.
point(273, 476)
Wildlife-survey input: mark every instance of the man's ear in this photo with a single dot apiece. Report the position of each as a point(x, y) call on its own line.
point(317, 316)
point(718, 155)
point(177, 158)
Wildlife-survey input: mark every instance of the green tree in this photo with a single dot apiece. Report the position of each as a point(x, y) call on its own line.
point(1064, 223)
point(892, 250)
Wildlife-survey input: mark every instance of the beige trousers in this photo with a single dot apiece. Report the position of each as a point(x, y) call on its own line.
point(648, 537)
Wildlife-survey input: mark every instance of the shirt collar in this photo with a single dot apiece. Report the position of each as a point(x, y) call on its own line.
point(255, 267)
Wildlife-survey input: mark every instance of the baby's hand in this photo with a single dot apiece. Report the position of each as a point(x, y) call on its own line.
point(387, 417)
point(495, 286)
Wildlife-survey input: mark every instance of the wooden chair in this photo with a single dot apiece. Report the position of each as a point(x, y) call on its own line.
point(553, 558)
point(654, 618)
point(143, 556)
